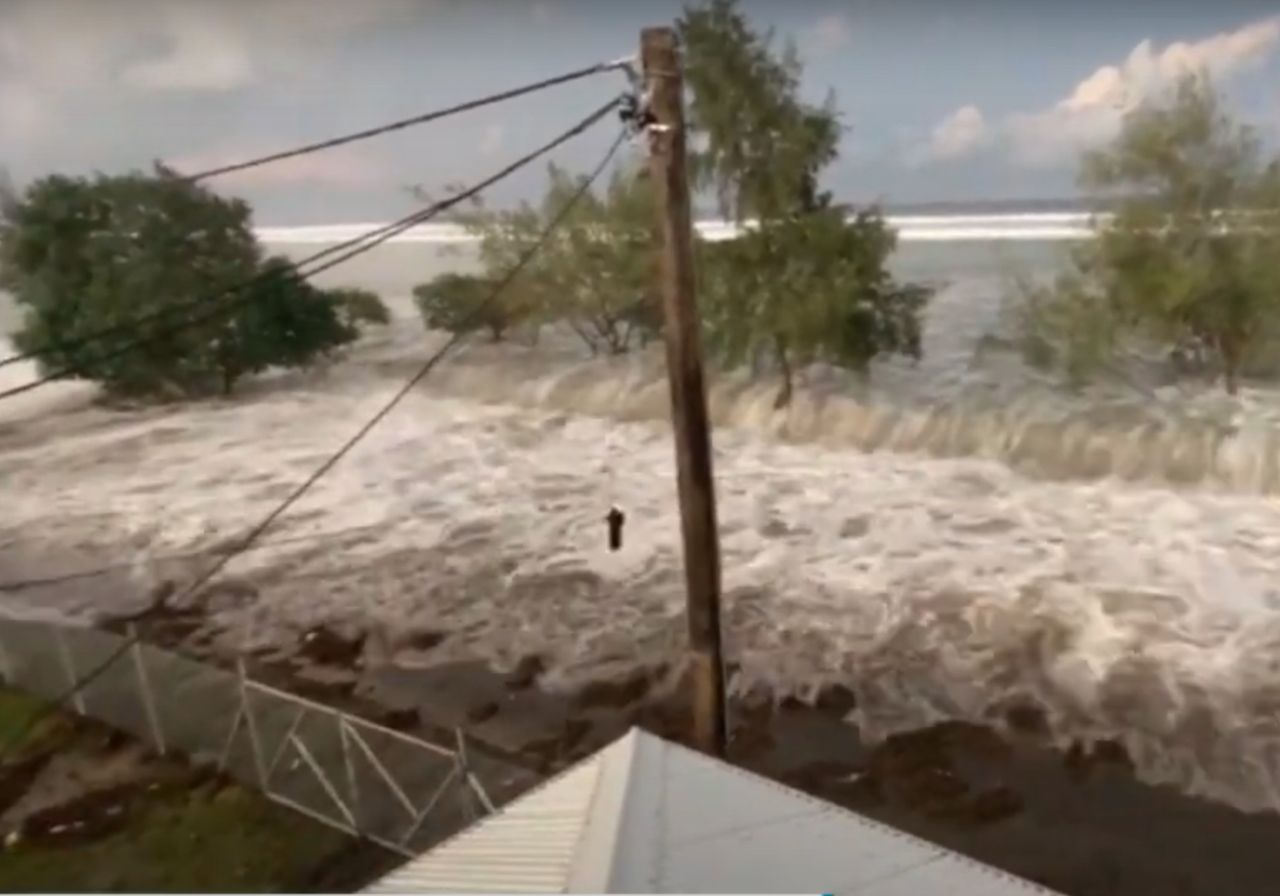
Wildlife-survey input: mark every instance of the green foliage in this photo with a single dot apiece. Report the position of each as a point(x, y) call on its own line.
point(82, 255)
point(801, 282)
point(595, 273)
point(459, 303)
point(360, 307)
point(286, 322)
point(1187, 260)
point(764, 147)
point(598, 273)
point(816, 288)
point(1067, 325)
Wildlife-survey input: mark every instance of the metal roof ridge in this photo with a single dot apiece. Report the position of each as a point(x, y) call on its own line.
point(602, 831)
point(513, 809)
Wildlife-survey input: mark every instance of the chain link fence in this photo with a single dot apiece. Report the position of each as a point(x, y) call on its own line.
point(401, 792)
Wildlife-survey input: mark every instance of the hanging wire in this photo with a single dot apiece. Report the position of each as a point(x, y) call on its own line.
point(624, 65)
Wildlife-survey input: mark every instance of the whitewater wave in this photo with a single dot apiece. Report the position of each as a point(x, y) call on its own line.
point(933, 588)
point(1130, 440)
point(911, 228)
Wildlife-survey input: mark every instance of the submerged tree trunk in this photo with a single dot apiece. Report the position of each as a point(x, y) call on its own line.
point(226, 368)
point(784, 365)
point(1229, 354)
point(1231, 378)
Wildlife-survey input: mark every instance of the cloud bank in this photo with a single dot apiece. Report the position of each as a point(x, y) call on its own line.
point(1092, 111)
point(53, 52)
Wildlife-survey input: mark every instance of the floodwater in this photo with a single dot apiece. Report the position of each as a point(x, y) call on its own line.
point(957, 534)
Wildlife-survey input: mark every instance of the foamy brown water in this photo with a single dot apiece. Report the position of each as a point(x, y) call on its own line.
point(933, 586)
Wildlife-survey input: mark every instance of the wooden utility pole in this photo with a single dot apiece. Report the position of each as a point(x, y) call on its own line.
point(667, 149)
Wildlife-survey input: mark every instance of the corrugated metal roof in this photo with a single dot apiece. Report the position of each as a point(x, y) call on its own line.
point(527, 847)
point(644, 815)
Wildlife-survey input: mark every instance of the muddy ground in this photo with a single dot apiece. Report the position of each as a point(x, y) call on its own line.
point(1079, 821)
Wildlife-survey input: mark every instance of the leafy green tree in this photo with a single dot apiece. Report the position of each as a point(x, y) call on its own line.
point(1187, 260)
point(816, 288)
point(802, 283)
point(462, 303)
point(599, 275)
point(84, 255)
point(285, 322)
point(360, 307)
point(764, 148)
point(595, 274)
point(1066, 325)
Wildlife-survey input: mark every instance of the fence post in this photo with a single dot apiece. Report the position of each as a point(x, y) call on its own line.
point(144, 688)
point(468, 777)
point(68, 666)
point(251, 724)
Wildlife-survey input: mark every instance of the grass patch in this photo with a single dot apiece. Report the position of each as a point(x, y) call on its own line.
point(192, 832)
point(16, 712)
point(227, 840)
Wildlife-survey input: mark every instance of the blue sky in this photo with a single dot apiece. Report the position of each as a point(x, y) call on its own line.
point(943, 100)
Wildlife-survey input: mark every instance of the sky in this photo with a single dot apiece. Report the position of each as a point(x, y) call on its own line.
point(941, 101)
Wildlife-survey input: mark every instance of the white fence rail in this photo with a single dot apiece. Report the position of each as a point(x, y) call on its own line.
point(396, 790)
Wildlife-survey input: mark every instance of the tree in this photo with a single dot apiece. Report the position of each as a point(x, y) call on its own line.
point(360, 307)
point(595, 273)
point(1187, 260)
point(817, 288)
point(764, 147)
point(285, 322)
point(148, 255)
point(803, 282)
point(462, 303)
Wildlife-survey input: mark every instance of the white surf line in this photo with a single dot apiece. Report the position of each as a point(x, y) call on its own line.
point(910, 228)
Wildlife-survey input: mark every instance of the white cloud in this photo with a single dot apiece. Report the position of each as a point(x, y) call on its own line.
point(830, 33)
point(22, 113)
point(492, 140)
point(959, 134)
point(1092, 111)
point(189, 45)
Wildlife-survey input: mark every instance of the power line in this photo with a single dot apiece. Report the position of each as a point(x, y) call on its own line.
point(411, 122)
point(353, 247)
point(475, 314)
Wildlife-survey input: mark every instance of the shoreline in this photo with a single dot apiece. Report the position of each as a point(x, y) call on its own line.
point(1077, 821)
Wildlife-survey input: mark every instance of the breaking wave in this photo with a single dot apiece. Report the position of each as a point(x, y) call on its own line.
point(1034, 227)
